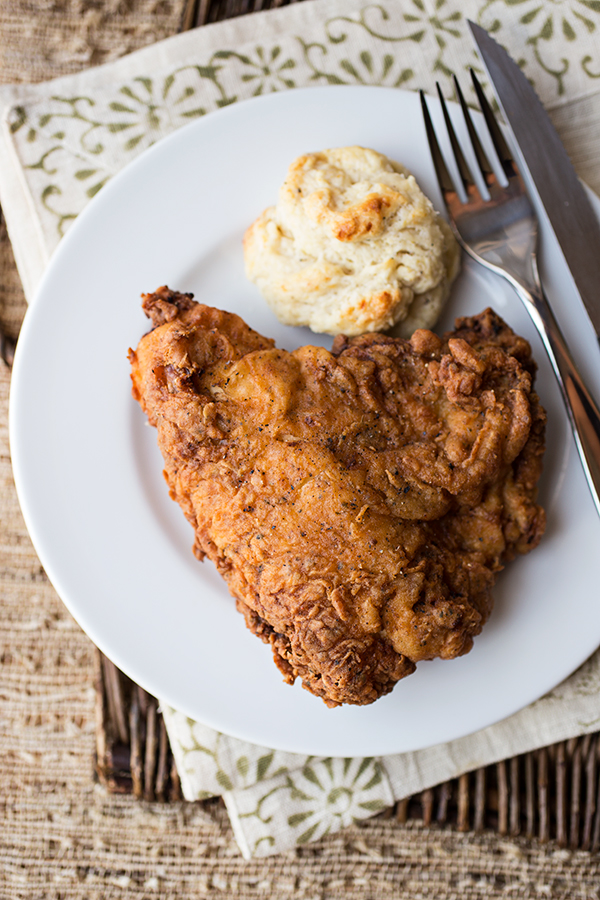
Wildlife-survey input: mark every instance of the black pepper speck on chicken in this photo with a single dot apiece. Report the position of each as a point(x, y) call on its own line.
point(358, 503)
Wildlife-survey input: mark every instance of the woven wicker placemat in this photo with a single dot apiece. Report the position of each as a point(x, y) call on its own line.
point(66, 834)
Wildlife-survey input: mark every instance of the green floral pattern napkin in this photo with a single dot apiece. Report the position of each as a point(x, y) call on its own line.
point(60, 142)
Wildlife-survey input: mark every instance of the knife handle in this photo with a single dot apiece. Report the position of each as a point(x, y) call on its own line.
point(582, 410)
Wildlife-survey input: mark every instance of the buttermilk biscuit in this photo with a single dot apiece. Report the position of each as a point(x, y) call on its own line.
point(352, 246)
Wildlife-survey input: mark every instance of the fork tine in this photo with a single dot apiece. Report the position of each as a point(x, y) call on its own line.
point(442, 173)
point(465, 174)
point(482, 159)
point(504, 154)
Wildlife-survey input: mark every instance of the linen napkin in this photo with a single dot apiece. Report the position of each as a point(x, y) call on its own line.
point(61, 141)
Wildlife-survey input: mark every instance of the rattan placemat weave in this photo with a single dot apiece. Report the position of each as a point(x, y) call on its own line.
point(125, 832)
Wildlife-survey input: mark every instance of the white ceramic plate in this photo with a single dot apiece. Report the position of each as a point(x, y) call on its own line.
point(88, 471)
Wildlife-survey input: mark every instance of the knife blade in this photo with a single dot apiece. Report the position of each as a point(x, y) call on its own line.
point(542, 154)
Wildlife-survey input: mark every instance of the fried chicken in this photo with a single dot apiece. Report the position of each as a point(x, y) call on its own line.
point(359, 503)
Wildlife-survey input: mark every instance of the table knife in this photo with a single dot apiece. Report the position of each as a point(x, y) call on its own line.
point(542, 154)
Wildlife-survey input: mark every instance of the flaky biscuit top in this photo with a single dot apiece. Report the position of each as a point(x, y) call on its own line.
point(352, 246)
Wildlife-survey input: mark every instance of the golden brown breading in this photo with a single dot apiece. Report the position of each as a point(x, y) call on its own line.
point(359, 503)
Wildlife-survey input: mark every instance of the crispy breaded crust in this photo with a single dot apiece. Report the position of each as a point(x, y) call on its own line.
point(359, 503)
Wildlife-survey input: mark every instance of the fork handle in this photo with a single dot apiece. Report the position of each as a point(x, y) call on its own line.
point(583, 412)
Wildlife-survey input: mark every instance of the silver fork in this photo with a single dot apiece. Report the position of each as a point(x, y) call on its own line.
point(502, 234)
